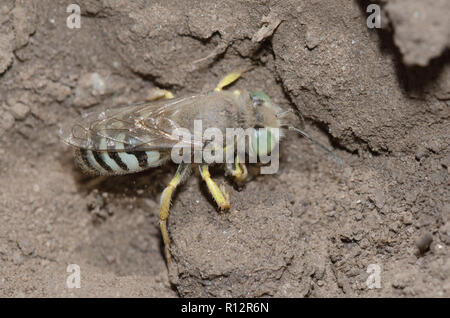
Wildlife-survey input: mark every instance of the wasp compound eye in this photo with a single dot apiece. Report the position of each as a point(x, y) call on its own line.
point(259, 98)
point(262, 141)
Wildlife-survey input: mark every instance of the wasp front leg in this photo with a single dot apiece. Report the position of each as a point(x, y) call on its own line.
point(166, 198)
point(158, 93)
point(228, 80)
point(238, 171)
point(220, 194)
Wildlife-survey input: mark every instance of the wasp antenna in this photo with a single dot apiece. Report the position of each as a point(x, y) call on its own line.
point(292, 111)
point(283, 113)
point(246, 69)
point(301, 132)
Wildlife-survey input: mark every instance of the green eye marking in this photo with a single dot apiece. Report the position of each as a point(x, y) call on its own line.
point(260, 96)
point(262, 141)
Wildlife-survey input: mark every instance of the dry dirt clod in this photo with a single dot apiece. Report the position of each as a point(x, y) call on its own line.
point(89, 89)
point(423, 243)
point(312, 38)
point(6, 51)
point(6, 121)
point(270, 23)
point(421, 31)
point(19, 111)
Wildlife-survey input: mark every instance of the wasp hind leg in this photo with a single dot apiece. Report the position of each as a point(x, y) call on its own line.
point(219, 193)
point(166, 197)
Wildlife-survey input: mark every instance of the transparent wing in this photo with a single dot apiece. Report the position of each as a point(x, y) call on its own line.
point(138, 127)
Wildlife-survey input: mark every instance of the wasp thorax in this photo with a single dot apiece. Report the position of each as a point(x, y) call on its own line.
point(265, 111)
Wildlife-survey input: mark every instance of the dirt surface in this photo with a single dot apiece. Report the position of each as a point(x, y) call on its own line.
point(379, 97)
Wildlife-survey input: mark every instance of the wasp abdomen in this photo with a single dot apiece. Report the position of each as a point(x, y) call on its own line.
point(116, 162)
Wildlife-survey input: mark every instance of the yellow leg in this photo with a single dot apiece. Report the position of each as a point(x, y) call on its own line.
point(239, 172)
point(166, 198)
point(227, 80)
point(159, 93)
point(220, 194)
point(168, 94)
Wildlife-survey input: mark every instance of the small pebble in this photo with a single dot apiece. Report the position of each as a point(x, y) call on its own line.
point(19, 111)
point(26, 247)
point(6, 121)
point(424, 242)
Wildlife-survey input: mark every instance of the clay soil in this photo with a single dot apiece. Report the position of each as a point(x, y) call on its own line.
point(379, 97)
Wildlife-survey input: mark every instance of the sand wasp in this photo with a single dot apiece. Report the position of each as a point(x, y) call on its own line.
point(134, 138)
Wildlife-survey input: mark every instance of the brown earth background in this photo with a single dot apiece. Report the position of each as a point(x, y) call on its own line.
point(379, 97)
